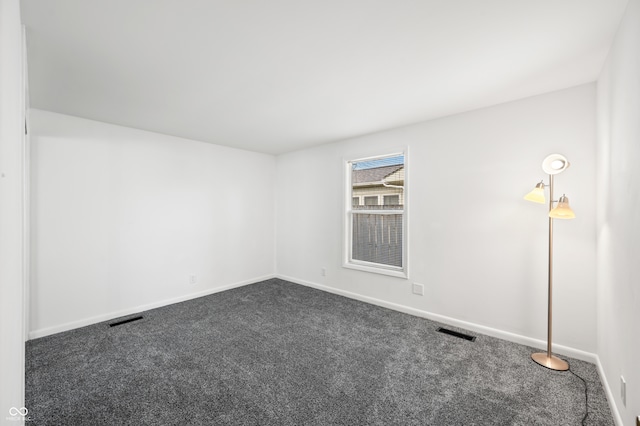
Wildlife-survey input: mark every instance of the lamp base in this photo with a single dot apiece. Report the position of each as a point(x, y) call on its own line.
point(552, 363)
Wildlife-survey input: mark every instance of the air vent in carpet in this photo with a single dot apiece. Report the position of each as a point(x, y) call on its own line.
point(456, 334)
point(124, 321)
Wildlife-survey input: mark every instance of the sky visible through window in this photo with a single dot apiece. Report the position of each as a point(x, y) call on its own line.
point(378, 162)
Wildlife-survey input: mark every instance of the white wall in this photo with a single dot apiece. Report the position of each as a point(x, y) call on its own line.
point(476, 245)
point(12, 230)
point(121, 218)
point(618, 226)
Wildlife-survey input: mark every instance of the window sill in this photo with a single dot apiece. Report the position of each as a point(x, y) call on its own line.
point(398, 273)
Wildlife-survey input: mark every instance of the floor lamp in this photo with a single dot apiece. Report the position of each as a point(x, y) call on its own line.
point(552, 165)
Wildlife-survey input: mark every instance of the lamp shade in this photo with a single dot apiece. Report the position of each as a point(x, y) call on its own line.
point(554, 164)
point(537, 194)
point(562, 210)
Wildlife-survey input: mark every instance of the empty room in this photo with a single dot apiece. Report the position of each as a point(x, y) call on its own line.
point(352, 212)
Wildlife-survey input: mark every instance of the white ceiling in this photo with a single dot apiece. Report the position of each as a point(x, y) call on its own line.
point(280, 75)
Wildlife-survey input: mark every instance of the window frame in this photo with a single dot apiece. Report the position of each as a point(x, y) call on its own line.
point(361, 265)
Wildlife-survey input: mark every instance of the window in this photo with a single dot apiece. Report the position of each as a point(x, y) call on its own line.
point(355, 201)
point(375, 231)
point(391, 200)
point(371, 201)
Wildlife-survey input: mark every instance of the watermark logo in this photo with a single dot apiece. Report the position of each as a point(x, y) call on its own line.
point(17, 414)
point(13, 411)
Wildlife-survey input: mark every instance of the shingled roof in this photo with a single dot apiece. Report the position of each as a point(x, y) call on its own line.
point(375, 174)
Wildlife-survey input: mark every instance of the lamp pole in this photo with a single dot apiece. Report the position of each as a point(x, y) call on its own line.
point(547, 359)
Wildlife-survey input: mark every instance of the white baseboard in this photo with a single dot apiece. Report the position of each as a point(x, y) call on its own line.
point(493, 332)
point(607, 389)
point(133, 310)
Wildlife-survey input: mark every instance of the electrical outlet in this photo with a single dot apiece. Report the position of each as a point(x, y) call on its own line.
point(323, 272)
point(623, 391)
point(193, 279)
point(417, 289)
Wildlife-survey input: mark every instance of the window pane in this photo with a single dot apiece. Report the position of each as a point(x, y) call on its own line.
point(371, 201)
point(392, 200)
point(377, 238)
point(377, 220)
point(378, 182)
point(355, 201)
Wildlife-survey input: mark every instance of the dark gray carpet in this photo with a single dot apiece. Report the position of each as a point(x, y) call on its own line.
point(276, 353)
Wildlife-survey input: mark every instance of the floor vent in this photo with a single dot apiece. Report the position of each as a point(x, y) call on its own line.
point(456, 334)
point(124, 321)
